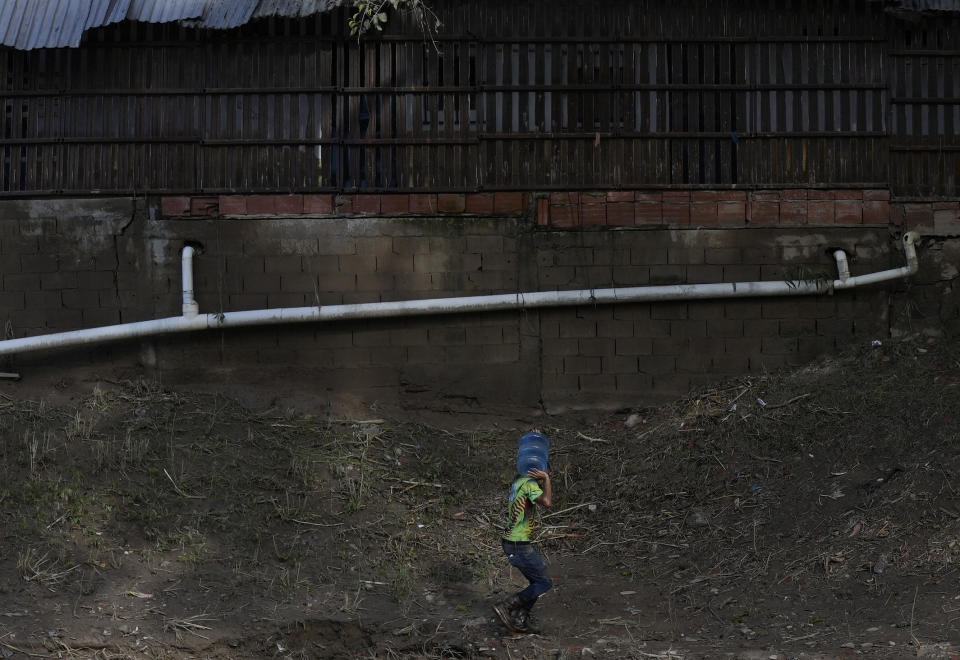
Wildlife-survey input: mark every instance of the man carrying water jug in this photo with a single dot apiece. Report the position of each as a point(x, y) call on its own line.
point(530, 488)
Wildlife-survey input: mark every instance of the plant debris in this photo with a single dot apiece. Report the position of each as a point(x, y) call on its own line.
point(823, 519)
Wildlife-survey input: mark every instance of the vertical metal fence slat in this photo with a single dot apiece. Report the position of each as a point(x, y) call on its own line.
point(524, 95)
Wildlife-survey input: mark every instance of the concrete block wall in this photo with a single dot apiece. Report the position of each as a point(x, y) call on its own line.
point(246, 262)
point(61, 267)
point(68, 264)
point(593, 357)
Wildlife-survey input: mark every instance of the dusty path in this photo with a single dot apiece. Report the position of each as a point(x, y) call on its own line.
point(800, 515)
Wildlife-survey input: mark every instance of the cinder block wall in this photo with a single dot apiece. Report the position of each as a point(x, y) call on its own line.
point(63, 266)
point(69, 264)
point(594, 356)
point(259, 262)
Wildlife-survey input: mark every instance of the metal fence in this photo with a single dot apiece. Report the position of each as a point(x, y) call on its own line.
point(543, 95)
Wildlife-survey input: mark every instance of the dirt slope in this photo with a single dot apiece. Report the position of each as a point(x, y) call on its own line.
point(806, 514)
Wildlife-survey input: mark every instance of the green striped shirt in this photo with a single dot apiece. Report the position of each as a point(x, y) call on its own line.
point(521, 508)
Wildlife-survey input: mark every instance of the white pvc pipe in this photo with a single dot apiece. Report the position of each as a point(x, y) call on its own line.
point(192, 320)
point(909, 251)
point(190, 306)
point(843, 268)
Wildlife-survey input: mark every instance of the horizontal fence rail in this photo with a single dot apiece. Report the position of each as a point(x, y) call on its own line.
point(539, 95)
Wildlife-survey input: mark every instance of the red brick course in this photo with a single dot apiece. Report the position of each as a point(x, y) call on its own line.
point(876, 212)
point(619, 208)
point(704, 210)
point(390, 204)
point(592, 215)
point(318, 203)
point(175, 206)
point(204, 206)
point(793, 212)
point(897, 213)
point(543, 212)
point(423, 203)
point(648, 213)
point(233, 205)
point(763, 210)
point(849, 211)
point(451, 203)
point(564, 216)
point(820, 212)
point(262, 204)
point(732, 212)
point(509, 203)
point(918, 217)
point(676, 207)
point(289, 204)
point(848, 193)
point(565, 198)
point(620, 214)
point(479, 203)
point(765, 196)
point(366, 203)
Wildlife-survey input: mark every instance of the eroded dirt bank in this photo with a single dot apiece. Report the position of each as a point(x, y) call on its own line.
point(807, 514)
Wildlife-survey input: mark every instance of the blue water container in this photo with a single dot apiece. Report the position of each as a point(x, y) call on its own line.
point(532, 451)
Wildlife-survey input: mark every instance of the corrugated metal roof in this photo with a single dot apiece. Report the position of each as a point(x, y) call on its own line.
point(28, 24)
point(36, 23)
point(164, 11)
point(294, 7)
point(926, 5)
point(223, 14)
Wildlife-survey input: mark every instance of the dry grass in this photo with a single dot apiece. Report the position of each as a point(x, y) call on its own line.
point(192, 625)
point(42, 569)
point(838, 474)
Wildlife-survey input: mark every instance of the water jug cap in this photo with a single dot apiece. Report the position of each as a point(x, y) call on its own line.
point(535, 435)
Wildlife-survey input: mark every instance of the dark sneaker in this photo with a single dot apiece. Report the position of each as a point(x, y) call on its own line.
point(522, 623)
point(503, 611)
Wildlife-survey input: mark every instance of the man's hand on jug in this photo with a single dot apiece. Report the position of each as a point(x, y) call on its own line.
point(539, 475)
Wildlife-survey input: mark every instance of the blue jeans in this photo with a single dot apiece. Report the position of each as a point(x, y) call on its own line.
point(530, 562)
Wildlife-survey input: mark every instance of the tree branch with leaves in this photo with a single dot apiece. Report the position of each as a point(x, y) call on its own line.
point(372, 15)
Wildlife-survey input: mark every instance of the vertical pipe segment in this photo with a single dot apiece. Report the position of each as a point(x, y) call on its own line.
point(190, 306)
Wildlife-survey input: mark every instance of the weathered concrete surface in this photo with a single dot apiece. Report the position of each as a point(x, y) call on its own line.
point(70, 264)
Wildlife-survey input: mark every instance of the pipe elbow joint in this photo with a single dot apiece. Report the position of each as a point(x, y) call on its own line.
point(910, 251)
point(191, 308)
point(843, 267)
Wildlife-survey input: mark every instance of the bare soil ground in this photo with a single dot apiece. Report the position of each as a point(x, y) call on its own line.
point(810, 514)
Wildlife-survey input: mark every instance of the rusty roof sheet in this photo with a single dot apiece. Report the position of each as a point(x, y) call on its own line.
point(924, 5)
point(28, 24)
